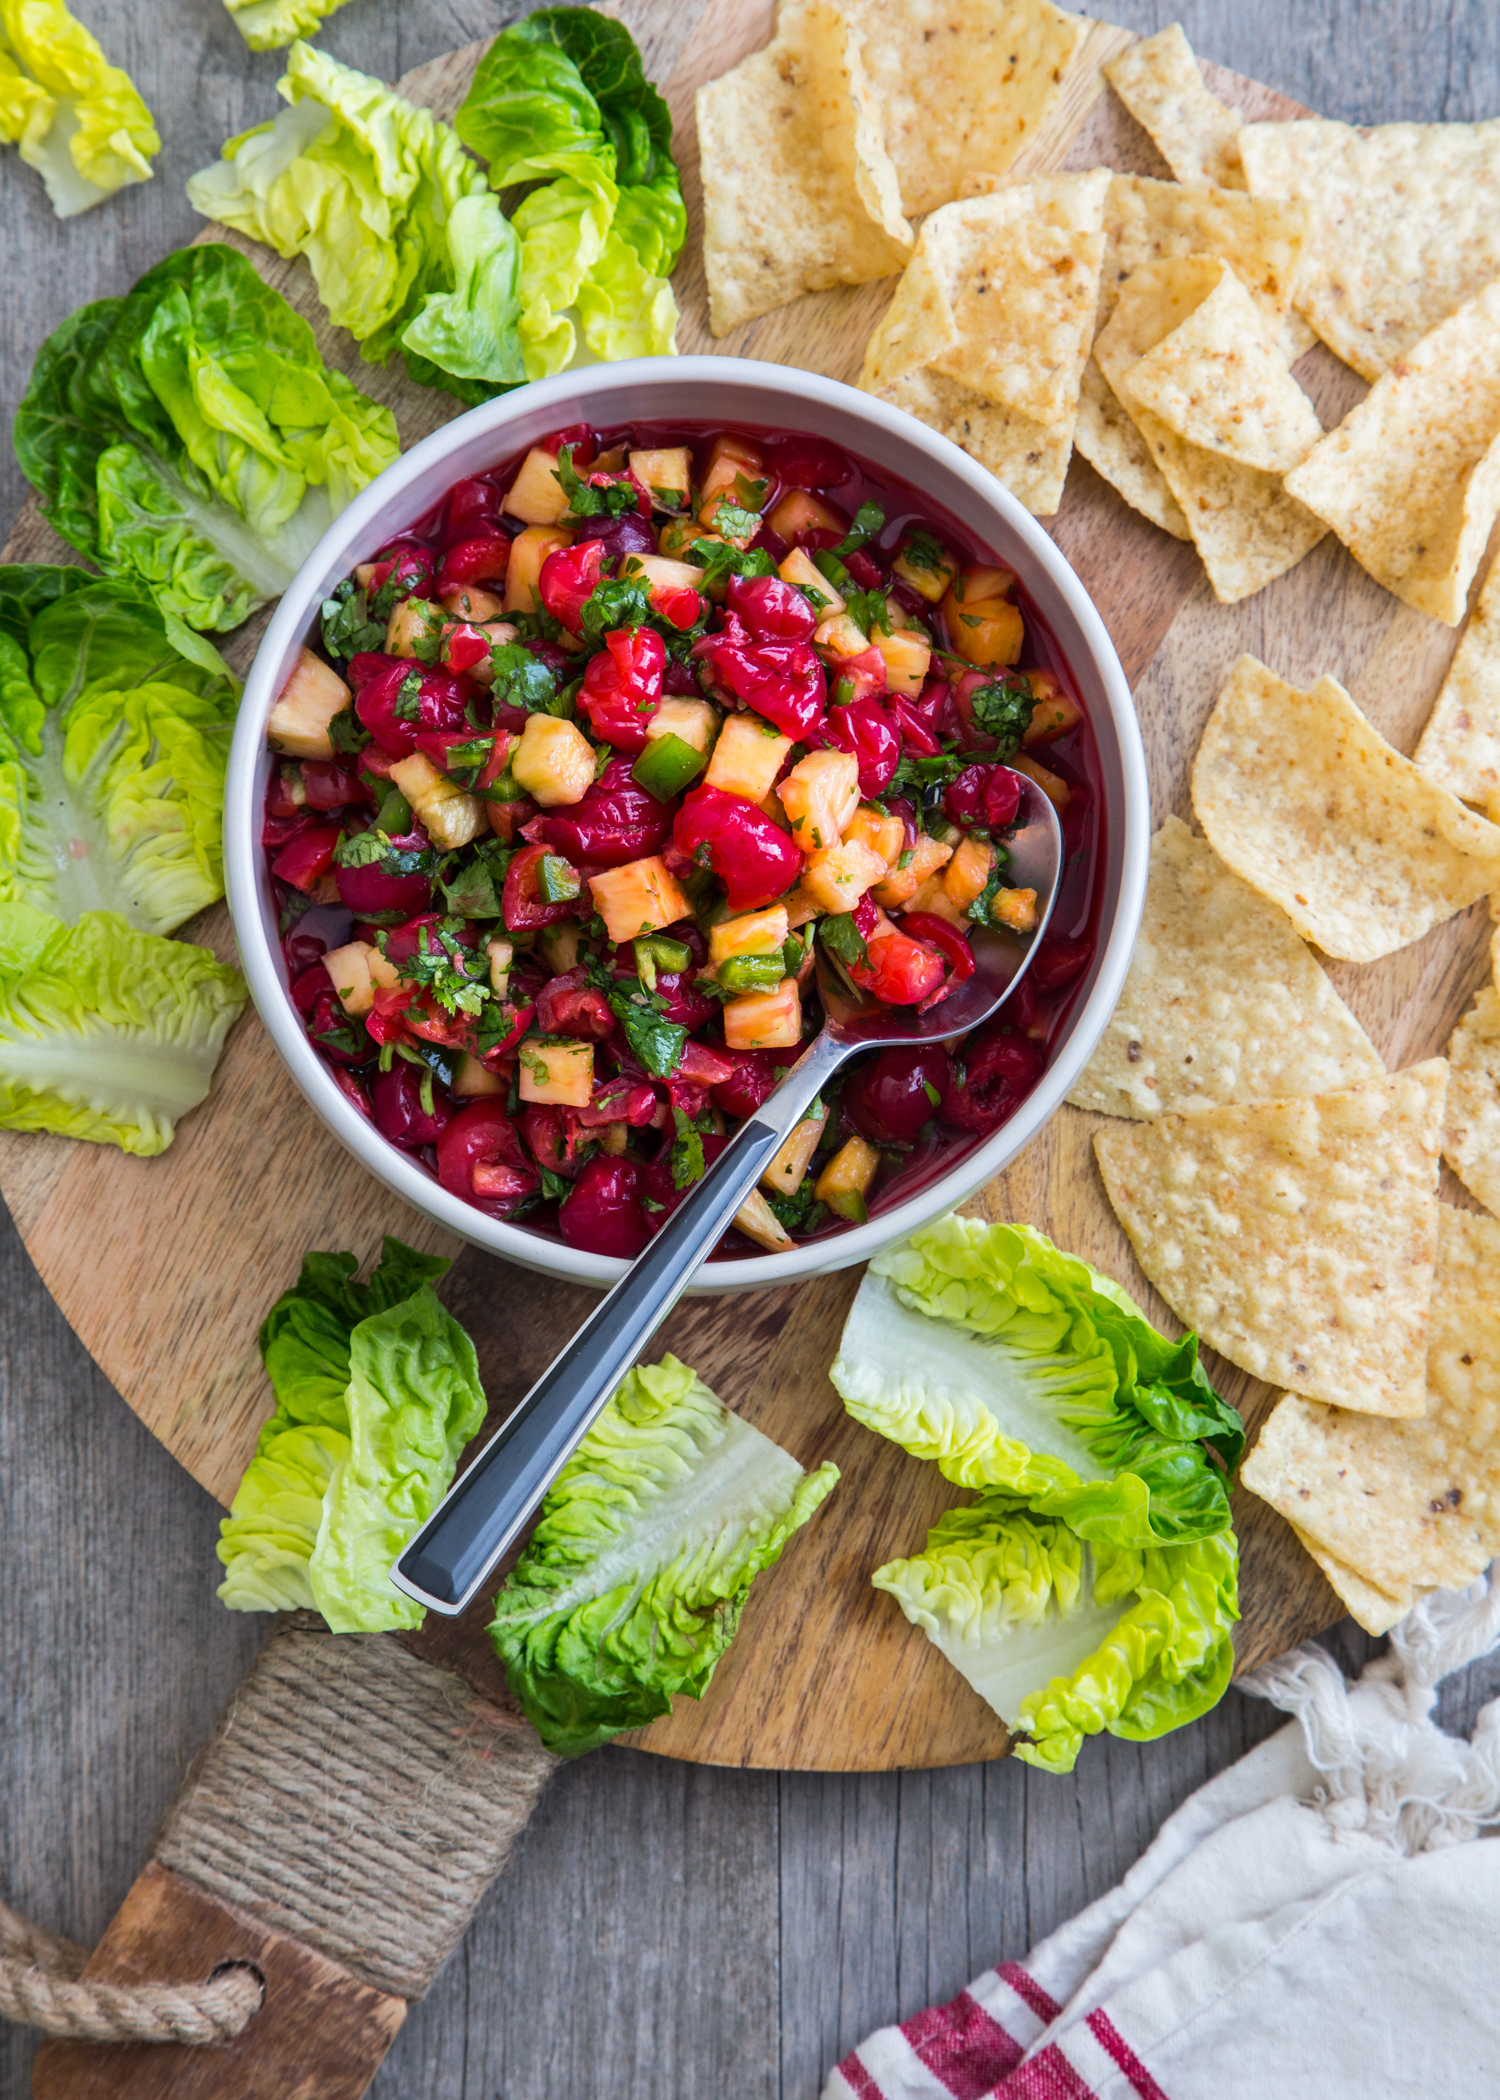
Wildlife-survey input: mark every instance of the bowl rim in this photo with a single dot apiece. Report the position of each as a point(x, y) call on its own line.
point(248, 893)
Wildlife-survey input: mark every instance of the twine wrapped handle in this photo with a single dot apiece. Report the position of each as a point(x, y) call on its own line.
point(40, 1985)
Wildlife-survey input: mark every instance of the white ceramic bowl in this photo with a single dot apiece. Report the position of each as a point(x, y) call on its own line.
point(748, 395)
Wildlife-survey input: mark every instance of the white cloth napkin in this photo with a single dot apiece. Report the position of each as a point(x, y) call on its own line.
point(1317, 1923)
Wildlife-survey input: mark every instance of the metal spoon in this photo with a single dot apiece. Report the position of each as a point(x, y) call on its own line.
point(451, 1555)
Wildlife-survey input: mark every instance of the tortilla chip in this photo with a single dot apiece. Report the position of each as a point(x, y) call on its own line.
point(1302, 797)
point(1106, 435)
point(1408, 225)
point(799, 192)
point(1296, 1236)
point(1245, 527)
point(1371, 1607)
point(961, 83)
point(1223, 1002)
point(1030, 458)
point(1460, 747)
point(1264, 242)
point(1196, 134)
point(1410, 480)
point(1217, 382)
point(1471, 1137)
point(994, 312)
point(1408, 1506)
point(1022, 272)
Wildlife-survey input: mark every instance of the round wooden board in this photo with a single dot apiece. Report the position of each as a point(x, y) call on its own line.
point(164, 1267)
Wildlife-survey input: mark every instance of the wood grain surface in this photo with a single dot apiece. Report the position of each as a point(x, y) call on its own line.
point(663, 1929)
point(253, 1179)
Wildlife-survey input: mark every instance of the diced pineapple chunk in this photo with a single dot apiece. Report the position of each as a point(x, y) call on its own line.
point(765, 1020)
point(800, 569)
point(838, 877)
point(969, 870)
point(757, 1221)
point(799, 511)
point(501, 954)
point(788, 1170)
point(752, 933)
point(536, 495)
point(693, 721)
point(1016, 909)
point(1057, 792)
point(930, 574)
point(554, 761)
point(356, 970)
point(562, 1073)
point(927, 856)
point(560, 944)
point(472, 602)
point(932, 897)
point(873, 828)
point(732, 461)
point(309, 700)
point(473, 1081)
point(983, 581)
point(800, 908)
point(663, 573)
point(639, 898)
point(747, 757)
point(449, 817)
point(667, 474)
point(843, 1183)
point(1054, 712)
point(674, 538)
point(840, 636)
point(986, 633)
point(412, 621)
point(820, 796)
point(907, 655)
point(528, 550)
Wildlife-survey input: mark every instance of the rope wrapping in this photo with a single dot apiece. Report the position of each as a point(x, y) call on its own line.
point(353, 1796)
point(39, 1986)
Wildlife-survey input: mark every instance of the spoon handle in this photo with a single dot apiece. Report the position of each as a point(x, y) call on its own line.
point(488, 1506)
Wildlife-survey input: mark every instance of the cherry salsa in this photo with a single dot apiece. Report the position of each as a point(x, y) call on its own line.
point(589, 761)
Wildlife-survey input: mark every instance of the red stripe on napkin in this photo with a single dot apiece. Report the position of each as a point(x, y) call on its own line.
point(960, 2044)
point(1109, 2037)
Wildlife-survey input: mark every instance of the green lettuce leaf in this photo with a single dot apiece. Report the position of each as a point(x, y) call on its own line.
point(1012, 1365)
point(189, 436)
point(406, 246)
point(305, 1337)
point(1064, 1638)
point(77, 119)
point(414, 1401)
point(560, 99)
point(106, 1033)
point(267, 25)
point(115, 724)
point(633, 1582)
point(377, 1391)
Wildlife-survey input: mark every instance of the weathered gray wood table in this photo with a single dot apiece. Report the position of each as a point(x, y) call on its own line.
point(664, 1928)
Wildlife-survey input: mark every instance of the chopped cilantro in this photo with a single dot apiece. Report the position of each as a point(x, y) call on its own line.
point(868, 610)
point(982, 910)
point(348, 629)
point(801, 1212)
point(443, 971)
point(655, 1042)
point(921, 550)
point(521, 679)
point(408, 702)
point(620, 601)
point(842, 938)
point(686, 1157)
point(608, 501)
point(1003, 708)
point(473, 888)
point(735, 522)
point(347, 734)
point(868, 520)
point(554, 1186)
point(718, 559)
